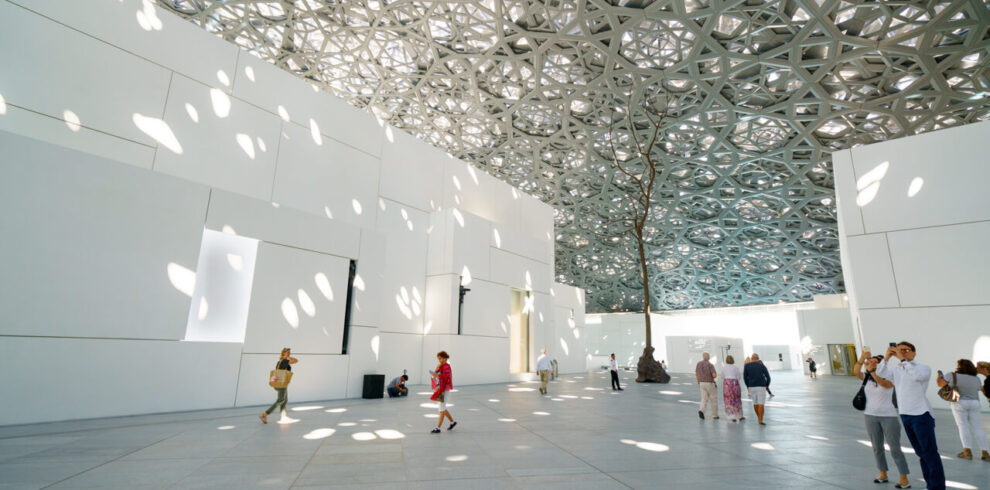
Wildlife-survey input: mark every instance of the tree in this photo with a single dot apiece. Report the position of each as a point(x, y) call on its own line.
point(641, 173)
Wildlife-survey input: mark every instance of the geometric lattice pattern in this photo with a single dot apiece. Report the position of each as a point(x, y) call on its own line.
point(525, 91)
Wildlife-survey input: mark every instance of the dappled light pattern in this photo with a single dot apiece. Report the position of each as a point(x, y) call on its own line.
point(762, 92)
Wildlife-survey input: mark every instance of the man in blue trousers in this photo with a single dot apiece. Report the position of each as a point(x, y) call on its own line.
point(911, 382)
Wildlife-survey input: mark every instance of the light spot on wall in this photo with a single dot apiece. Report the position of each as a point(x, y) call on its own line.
point(427, 327)
point(981, 349)
point(249, 73)
point(388, 134)
point(261, 145)
point(375, 345)
point(356, 205)
point(3, 106)
point(869, 184)
point(465, 276)
point(915, 187)
point(323, 284)
point(314, 132)
point(459, 217)
point(244, 141)
point(563, 345)
point(72, 120)
point(474, 174)
point(358, 282)
point(193, 113)
point(147, 17)
point(223, 78)
point(497, 236)
point(182, 279)
point(326, 211)
point(290, 313)
point(457, 182)
point(577, 333)
point(221, 102)
point(158, 130)
point(283, 113)
point(306, 303)
point(204, 309)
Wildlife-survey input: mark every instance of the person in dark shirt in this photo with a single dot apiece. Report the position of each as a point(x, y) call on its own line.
point(285, 362)
point(397, 387)
point(983, 368)
point(757, 379)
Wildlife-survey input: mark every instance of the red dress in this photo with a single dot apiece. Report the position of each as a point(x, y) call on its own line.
point(444, 381)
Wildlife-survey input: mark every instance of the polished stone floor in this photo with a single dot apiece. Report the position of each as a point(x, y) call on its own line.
point(582, 436)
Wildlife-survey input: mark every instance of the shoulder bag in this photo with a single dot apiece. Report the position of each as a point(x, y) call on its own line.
point(859, 401)
point(279, 378)
point(949, 393)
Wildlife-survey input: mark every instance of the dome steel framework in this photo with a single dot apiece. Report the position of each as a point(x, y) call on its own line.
point(526, 91)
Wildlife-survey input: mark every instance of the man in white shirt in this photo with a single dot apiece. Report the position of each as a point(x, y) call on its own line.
point(613, 368)
point(543, 366)
point(911, 382)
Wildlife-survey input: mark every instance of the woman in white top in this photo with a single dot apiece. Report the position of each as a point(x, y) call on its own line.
point(882, 422)
point(731, 391)
point(966, 411)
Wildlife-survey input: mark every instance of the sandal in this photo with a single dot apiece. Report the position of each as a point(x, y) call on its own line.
point(263, 417)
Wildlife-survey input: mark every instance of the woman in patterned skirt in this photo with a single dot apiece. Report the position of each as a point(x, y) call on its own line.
point(731, 391)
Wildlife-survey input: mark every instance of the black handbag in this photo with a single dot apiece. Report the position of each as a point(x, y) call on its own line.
point(859, 401)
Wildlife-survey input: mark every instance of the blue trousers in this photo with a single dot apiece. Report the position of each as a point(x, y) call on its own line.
point(920, 430)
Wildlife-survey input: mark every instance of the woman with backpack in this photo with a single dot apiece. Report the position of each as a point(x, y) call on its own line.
point(882, 421)
point(285, 362)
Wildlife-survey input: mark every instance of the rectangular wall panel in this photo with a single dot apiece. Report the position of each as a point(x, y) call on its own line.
point(102, 249)
point(474, 360)
point(405, 241)
point(486, 309)
point(258, 218)
point(942, 266)
point(400, 352)
point(225, 142)
point(369, 281)
point(55, 131)
point(85, 378)
point(412, 172)
point(869, 260)
point(326, 177)
point(108, 86)
point(520, 272)
point(845, 192)
point(297, 301)
point(295, 100)
point(149, 31)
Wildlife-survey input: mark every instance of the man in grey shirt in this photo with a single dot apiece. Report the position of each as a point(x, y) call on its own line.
point(397, 387)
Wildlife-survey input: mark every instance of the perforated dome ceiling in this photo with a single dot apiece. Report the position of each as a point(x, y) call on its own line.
point(525, 91)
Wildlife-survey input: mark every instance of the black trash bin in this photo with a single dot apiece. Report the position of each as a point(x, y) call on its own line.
point(374, 386)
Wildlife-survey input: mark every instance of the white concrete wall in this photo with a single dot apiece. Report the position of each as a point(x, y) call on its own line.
point(120, 149)
point(914, 220)
point(624, 333)
point(820, 327)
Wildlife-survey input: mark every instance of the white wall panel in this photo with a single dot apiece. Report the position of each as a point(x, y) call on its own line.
point(369, 281)
point(475, 192)
point(225, 142)
point(363, 352)
point(941, 336)
point(469, 249)
point(474, 360)
point(520, 272)
point(142, 28)
point(953, 194)
point(412, 172)
point(326, 177)
point(314, 378)
point(96, 238)
point(84, 378)
point(519, 243)
point(441, 304)
point(49, 68)
point(259, 219)
point(870, 262)
point(486, 310)
point(845, 192)
point(52, 130)
point(403, 302)
point(297, 300)
point(403, 351)
point(569, 297)
point(820, 327)
point(272, 88)
point(536, 219)
point(942, 266)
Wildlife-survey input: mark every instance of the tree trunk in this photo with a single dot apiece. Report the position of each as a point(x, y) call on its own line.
point(646, 290)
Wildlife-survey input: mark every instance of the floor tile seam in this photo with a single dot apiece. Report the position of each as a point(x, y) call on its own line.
point(565, 450)
point(777, 466)
point(128, 426)
point(107, 462)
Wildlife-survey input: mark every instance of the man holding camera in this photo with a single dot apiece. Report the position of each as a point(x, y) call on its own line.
point(911, 379)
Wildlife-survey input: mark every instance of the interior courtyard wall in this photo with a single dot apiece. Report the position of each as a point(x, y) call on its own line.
point(128, 135)
point(914, 219)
